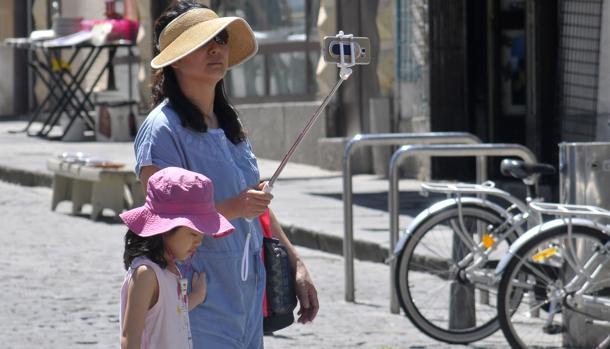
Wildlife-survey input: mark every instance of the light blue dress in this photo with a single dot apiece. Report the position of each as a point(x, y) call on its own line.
point(231, 316)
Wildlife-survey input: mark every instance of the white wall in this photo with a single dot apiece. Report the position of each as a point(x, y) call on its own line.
point(273, 127)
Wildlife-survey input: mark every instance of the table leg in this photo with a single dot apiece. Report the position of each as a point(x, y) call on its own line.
point(111, 78)
point(82, 102)
point(107, 193)
point(81, 194)
point(62, 189)
point(129, 68)
point(137, 194)
point(72, 87)
point(56, 78)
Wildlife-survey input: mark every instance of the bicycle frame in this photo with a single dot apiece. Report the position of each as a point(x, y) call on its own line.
point(593, 266)
point(469, 232)
point(539, 229)
point(473, 261)
point(588, 272)
point(487, 188)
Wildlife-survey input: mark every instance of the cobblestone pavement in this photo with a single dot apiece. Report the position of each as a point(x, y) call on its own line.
point(62, 274)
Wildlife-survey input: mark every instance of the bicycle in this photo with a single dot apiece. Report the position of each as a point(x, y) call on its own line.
point(446, 260)
point(559, 271)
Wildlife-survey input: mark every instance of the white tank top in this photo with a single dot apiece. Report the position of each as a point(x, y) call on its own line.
point(167, 322)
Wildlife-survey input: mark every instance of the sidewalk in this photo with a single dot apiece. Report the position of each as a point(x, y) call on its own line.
point(71, 298)
point(308, 200)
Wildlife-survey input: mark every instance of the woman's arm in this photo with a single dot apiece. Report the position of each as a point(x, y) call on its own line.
point(306, 291)
point(142, 295)
point(145, 173)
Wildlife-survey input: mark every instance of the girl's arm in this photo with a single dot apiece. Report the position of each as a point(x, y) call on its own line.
point(305, 289)
point(142, 295)
point(199, 290)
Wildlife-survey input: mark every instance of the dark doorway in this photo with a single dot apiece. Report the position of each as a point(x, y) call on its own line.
point(492, 73)
point(507, 121)
point(449, 87)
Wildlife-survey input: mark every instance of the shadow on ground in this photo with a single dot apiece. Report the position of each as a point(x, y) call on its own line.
point(410, 203)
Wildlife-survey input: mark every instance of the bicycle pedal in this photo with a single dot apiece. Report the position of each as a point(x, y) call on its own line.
point(553, 329)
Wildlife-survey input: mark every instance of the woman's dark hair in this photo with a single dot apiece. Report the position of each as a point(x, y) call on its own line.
point(150, 247)
point(165, 85)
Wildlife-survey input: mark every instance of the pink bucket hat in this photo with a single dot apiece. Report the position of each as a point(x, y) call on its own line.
point(177, 197)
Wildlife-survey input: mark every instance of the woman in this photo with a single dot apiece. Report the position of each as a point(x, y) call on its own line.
point(195, 127)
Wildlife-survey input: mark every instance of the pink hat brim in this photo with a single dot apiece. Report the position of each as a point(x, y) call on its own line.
point(145, 223)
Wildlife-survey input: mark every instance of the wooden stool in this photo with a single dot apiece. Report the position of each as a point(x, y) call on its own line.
point(116, 189)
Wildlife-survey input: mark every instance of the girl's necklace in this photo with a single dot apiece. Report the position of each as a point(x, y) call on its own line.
point(183, 282)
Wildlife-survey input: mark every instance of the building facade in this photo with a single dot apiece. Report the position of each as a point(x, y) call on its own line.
point(518, 71)
point(510, 71)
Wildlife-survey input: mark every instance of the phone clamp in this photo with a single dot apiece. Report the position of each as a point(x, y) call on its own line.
point(345, 70)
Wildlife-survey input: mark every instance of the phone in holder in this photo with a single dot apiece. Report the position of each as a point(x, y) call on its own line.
point(359, 47)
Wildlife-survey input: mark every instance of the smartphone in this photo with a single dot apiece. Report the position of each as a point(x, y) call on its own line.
point(331, 49)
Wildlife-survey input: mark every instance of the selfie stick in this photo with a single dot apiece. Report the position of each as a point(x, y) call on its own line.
point(344, 73)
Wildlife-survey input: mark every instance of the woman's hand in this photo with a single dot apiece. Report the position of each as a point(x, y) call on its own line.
point(249, 203)
point(254, 202)
point(199, 290)
point(306, 293)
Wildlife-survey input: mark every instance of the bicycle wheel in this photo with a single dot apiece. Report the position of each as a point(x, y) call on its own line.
point(433, 289)
point(542, 269)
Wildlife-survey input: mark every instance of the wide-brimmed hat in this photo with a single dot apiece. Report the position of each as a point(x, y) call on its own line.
point(196, 27)
point(177, 197)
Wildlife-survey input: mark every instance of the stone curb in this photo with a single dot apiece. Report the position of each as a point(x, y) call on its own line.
point(363, 250)
point(25, 178)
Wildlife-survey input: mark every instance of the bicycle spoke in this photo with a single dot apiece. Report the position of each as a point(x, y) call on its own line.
point(534, 268)
point(430, 249)
point(434, 292)
point(443, 274)
point(542, 276)
point(434, 282)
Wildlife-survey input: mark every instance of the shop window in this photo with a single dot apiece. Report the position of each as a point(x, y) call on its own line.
point(284, 68)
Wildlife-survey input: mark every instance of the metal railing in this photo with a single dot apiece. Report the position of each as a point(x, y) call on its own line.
point(444, 150)
point(375, 140)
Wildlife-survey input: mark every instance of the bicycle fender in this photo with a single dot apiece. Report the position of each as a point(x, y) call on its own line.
point(521, 240)
point(440, 206)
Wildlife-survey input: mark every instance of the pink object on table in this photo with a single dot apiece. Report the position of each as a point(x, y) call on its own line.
point(121, 28)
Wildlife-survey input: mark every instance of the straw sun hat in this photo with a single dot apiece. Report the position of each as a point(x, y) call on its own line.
point(198, 26)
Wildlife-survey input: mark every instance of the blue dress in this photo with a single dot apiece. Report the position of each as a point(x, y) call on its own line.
point(231, 316)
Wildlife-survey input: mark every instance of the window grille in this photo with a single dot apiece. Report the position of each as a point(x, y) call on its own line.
point(411, 38)
point(578, 64)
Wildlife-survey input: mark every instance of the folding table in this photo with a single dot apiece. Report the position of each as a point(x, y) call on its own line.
point(64, 80)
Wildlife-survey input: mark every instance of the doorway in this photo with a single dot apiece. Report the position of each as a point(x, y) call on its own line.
point(502, 59)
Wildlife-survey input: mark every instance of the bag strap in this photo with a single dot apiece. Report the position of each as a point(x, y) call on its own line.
point(265, 221)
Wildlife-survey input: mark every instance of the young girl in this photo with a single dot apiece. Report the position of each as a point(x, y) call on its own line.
point(179, 210)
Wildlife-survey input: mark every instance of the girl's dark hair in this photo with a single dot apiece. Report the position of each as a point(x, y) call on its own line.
point(165, 85)
point(150, 247)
